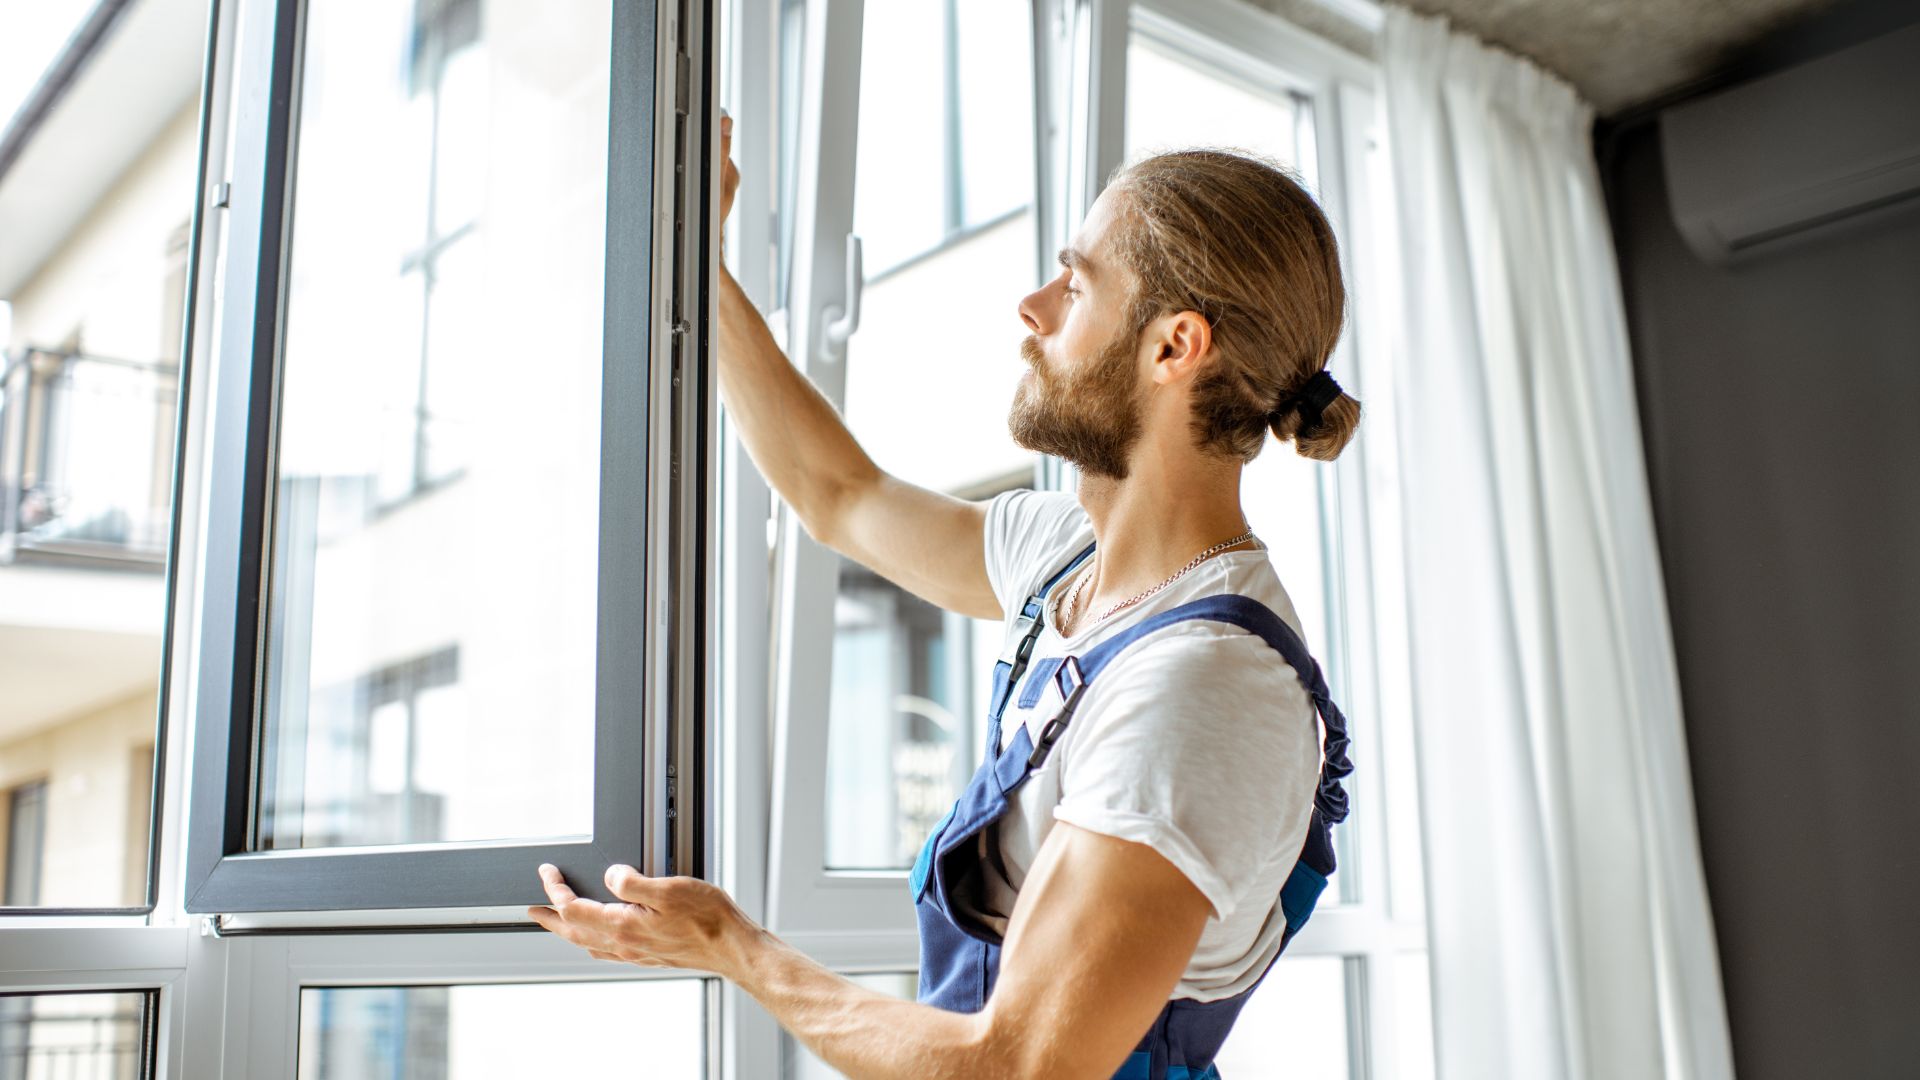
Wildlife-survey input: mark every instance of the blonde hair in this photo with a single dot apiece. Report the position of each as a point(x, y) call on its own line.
point(1234, 237)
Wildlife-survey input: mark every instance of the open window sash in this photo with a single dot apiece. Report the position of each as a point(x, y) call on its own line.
point(644, 622)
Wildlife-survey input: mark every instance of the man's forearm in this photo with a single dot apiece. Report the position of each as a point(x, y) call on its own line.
point(867, 1035)
point(794, 435)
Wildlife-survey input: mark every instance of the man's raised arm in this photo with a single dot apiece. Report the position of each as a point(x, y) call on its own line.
point(929, 543)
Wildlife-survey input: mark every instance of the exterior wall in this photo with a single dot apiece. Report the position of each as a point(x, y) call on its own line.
point(109, 280)
point(112, 290)
point(95, 854)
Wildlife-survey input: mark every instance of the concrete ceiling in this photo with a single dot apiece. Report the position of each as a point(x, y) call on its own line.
point(1621, 53)
point(1618, 53)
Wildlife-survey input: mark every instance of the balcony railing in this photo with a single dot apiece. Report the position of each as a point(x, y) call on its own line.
point(86, 458)
point(90, 1045)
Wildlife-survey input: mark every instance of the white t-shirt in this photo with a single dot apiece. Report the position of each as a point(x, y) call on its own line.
point(1198, 741)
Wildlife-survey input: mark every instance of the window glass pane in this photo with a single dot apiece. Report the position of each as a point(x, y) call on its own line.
point(433, 577)
point(799, 1063)
point(506, 1032)
point(104, 1036)
point(901, 755)
point(900, 190)
point(92, 295)
point(1175, 101)
point(996, 107)
point(1296, 1026)
point(930, 407)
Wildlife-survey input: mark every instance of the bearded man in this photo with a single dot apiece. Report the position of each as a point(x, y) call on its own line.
point(1150, 825)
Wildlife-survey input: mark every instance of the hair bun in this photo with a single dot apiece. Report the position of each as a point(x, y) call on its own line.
point(1319, 391)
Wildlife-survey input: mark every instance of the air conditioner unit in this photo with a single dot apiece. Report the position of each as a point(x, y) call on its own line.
point(1830, 144)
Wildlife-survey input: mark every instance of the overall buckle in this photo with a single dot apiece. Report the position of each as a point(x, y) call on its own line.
point(1069, 667)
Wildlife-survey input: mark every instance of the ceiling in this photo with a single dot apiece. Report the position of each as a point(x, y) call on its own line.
point(1623, 52)
point(1618, 53)
point(72, 640)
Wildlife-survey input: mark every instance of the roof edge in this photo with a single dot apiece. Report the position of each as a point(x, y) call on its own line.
point(59, 76)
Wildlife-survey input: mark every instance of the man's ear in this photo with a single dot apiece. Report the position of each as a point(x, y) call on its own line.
point(1182, 342)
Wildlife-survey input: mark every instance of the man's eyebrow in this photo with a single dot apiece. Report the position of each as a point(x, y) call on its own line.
point(1073, 259)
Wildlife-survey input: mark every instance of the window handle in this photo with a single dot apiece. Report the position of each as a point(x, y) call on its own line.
point(841, 323)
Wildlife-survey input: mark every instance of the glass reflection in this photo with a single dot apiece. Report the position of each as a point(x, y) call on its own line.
point(942, 200)
point(432, 584)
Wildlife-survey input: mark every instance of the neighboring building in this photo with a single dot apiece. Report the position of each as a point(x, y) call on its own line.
point(96, 194)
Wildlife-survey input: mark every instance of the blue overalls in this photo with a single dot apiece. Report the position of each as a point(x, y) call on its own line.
point(960, 957)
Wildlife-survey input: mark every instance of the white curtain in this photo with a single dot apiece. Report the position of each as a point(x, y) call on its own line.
point(1570, 931)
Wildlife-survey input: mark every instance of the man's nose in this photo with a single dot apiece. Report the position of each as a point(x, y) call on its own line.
point(1031, 308)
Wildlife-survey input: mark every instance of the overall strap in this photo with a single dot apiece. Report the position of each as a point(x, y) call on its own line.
point(1077, 673)
point(1030, 622)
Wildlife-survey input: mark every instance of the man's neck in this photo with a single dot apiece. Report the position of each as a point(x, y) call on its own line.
point(1154, 522)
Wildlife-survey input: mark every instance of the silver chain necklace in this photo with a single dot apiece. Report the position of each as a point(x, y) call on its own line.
point(1067, 607)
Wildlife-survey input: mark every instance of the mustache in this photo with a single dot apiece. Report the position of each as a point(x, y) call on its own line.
point(1030, 352)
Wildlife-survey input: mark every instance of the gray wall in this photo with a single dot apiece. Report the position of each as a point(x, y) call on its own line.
point(1781, 408)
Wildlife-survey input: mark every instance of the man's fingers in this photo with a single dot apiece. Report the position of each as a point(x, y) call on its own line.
point(632, 886)
point(557, 889)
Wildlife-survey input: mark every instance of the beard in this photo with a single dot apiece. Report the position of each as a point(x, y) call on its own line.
point(1090, 417)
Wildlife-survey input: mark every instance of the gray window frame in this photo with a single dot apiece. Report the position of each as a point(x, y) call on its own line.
point(648, 801)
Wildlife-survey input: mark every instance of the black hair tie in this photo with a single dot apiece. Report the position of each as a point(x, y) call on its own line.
point(1311, 399)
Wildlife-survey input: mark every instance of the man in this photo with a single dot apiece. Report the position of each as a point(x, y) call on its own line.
point(1140, 844)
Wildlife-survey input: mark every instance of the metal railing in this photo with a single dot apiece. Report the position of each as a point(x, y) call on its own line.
point(86, 457)
point(81, 1046)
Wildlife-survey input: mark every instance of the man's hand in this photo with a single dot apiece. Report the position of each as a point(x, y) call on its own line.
point(729, 176)
point(677, 922)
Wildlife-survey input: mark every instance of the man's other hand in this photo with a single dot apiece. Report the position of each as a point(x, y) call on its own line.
point(676, 922)
point(729, 175)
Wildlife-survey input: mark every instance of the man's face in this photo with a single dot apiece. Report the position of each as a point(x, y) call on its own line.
point(1081, 401)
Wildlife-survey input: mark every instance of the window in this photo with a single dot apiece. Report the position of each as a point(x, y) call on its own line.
point(431, 344)
point(943, 198)
point(443, 516)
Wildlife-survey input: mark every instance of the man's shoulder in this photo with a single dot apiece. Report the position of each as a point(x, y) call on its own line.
point(1031, 535)
point(1210, 653)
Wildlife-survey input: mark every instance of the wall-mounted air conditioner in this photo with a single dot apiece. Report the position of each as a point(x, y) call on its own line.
point(1832, 143)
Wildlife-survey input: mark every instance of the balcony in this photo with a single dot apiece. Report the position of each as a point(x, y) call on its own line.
point(86, 460)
